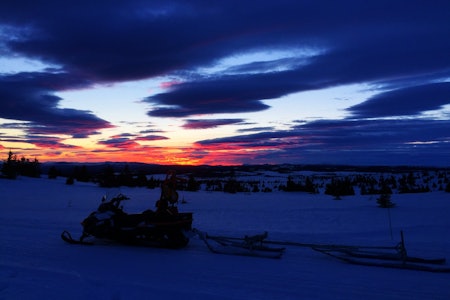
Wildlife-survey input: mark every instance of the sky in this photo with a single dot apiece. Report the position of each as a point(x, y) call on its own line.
point(226, 82)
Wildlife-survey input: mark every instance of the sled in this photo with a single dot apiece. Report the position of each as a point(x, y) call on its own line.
point(381, 260)
point(377, 256)
point(246, 246)
point(397, 258)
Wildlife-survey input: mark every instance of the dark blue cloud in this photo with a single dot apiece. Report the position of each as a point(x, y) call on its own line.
point(151, 137)
point(383, 43)
point(30, 97)
point(403, 102)
point(119, 142)
point(405, 141)
point(256, 129)
point(212, 123)
point(362, 42)
point(48, 142)
point(226, 95)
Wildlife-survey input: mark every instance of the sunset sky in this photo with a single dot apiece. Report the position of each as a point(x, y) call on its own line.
point(226, 82)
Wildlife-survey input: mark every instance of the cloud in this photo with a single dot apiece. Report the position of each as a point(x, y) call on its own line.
point(256, 129)
point(119, 142)
point(151, 131)
point(403, 102)
point(344, 141)
point(205, 124)
point(356, 42)
point(224, 95)
point(151, 137)
point(129, 141)
point(30, 97)
point(48, 142)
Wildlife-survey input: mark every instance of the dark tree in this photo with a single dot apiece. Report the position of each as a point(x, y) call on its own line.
point(339, 188)
point(141, 179)
point(53, 173)
point(192, 184)
point(126, 177)
point(10, 166)
point(108, 178)
point(307, 186)
point(81, 174)
point(384, 201)
point(447, 188)
point(232, 186)
point(13, 167)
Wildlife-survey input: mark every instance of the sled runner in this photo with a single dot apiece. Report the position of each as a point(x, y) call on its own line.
point(381, 257)
point(381, 260)
point(246, 246)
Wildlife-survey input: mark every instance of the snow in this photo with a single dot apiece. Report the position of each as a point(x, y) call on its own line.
point(36, 264)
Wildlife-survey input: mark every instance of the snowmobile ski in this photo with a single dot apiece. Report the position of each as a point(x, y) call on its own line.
point(67, 237)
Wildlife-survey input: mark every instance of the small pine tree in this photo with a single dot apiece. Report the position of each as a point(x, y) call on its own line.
point(10, 168)
point(384, 201)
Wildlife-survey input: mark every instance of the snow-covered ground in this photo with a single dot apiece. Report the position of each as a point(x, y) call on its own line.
point(36, 264)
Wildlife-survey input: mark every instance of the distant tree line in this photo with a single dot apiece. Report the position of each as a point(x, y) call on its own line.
point(225, 179)
point(339, 185)
point(13, 167)
point(108, 176)
point(306, 185)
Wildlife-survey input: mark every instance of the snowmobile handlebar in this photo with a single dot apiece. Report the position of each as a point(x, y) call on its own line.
point(116, 200)
point(113, 203)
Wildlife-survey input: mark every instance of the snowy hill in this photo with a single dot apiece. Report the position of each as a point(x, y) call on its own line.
point(36, 264)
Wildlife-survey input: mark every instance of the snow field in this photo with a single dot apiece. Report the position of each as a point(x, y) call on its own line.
point(36, 264)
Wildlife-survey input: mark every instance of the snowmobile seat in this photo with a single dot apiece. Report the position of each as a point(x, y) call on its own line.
point(131, 220)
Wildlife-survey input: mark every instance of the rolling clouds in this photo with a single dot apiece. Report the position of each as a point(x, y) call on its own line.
point(399, 49)
point(30, 97)
point(205, 124)
point(408, 101)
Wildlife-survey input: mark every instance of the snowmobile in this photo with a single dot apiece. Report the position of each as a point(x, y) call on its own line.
point(166, 228)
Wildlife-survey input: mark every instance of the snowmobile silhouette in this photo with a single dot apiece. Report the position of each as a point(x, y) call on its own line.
point(165, 227)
